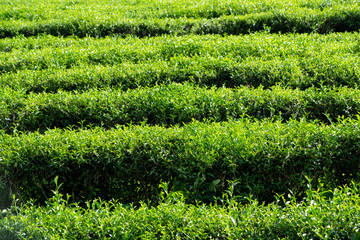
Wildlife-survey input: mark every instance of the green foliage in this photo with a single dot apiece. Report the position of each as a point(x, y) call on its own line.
point(171, 105)
point(317, 216)
point(225, 106)
point(49, 64)
point(198, 159)
point(151, 18)
point(5, 200)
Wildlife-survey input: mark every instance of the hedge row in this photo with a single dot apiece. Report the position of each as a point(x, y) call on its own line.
point(36, 11)
point(170, 105)
point(317, 217)
point(199, 159)
point(46, 64)
point(337, 18)
point(74, 52)
point(258, 44)
point(303, 73)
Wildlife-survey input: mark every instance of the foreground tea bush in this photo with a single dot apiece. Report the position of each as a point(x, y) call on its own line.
point(170, 105)
point(198, 159)
point(321, 215)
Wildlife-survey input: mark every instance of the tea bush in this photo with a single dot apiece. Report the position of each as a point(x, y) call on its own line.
point(171, 104)
point(296, 61)
point(230, 20)
point(129, 163)
point(174, 219)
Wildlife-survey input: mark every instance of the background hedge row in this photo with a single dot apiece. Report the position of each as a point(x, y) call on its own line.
point(144, 9)
point(292, 73)
point(43, 53)
point(334, 18)
point(170, 105)
point(297, 61)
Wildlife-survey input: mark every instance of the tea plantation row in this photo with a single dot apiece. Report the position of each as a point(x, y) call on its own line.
point(297, 61)
point(170, 105)
point(299, 73)
point(320, 18)
point(47, 52)
point(317, 217)
point(199, 159)
point(144, 9)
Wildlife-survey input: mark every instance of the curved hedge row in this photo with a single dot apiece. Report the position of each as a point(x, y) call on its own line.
point(337, 18)
point(199, 159)
point(257, 44)
point(36, 55)
point(293, 73)
point(317, 217)
point(296, 61)
point(170, 105)
point(143, 9)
